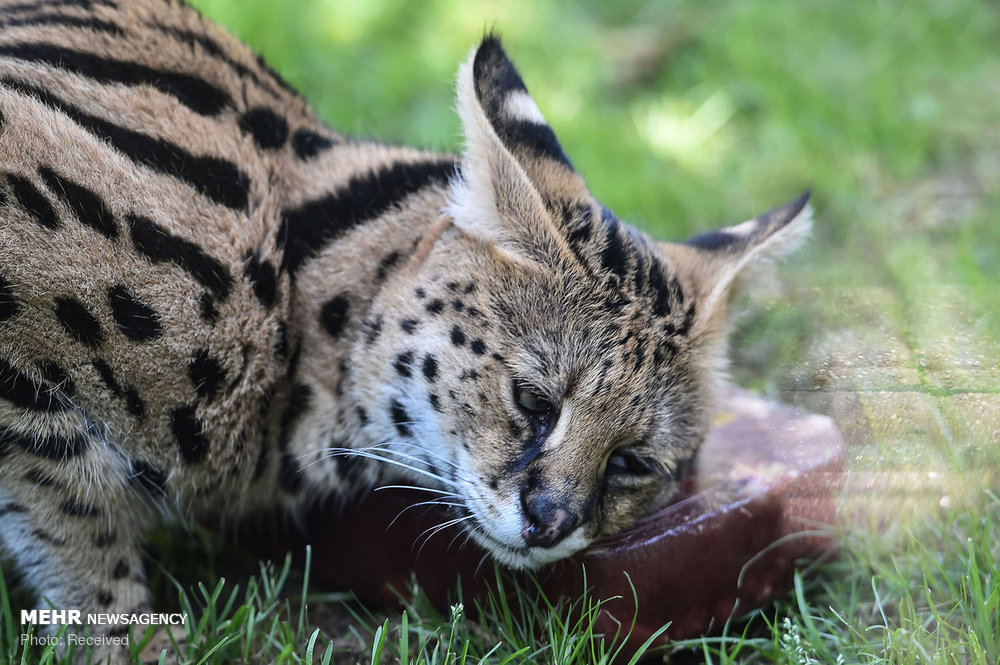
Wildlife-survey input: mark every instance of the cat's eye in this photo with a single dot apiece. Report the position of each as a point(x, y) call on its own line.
point(531, 400)
point(625, 462)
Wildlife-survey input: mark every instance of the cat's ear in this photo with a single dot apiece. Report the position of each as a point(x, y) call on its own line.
point(513, 170)
point(716, 264)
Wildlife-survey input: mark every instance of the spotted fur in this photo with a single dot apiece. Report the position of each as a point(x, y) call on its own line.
point(211, 301)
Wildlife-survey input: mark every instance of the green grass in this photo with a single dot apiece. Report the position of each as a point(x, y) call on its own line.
point(683, 116)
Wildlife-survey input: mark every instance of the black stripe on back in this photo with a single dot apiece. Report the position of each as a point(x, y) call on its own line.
point(157, 244)
point(306, 230)
point(49, 4)
point(62, 20)
point(216, 51)
point(197, 94)
point(89, 208)
point(218, 179)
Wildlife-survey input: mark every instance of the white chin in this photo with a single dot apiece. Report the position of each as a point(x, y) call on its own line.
point(525, 557)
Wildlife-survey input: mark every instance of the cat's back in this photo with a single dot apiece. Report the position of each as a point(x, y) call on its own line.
point(143, 159)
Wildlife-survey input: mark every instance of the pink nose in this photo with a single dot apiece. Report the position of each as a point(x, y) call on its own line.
point(547, 523)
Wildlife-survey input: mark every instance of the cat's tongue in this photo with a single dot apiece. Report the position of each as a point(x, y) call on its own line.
point(754, 510)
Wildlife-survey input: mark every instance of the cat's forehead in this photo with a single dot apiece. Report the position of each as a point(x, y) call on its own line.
point(611, 289)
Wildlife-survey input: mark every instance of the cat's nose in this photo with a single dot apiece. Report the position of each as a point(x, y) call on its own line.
point(547, 522)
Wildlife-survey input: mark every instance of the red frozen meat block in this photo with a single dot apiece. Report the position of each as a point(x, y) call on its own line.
point(757, 506)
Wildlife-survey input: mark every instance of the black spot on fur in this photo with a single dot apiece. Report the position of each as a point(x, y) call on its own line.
point(88, 207)
point(579, 217)
point(362, 415)
point(206, 306)
point(9, 508)
point(263, 277)
point(281, 340)
point(661, 293)
point(452, 286)
point(614, 258)
point(58, 377)
point(136, 320)
point(8, 303)
point(133, 402)
point(78, 508)
point(435, 306)
point(334, 313)
point(404, 364)
point(217, 179)
point(458, 305)
point(309, 228)
point(24, 392)
point(420, 293)
point(188, 431)
point(435, 402)
point(207, 374)
point(105, 539)
point(400, 418)
point(33, 201)
point(195, 93)
point(387, 263)
point(78, 321)
point(373, 328)
point(156, 244)
point(408, 325)
point(478, 347)
point(688, 320)
point(149, 477)
point(268, 129)
point(457, 336)
point(47, 537)
point(53, 447)
point(105, 597)
point(430, 368)
point(121, 570)
point(308, 144)
point(39, 478)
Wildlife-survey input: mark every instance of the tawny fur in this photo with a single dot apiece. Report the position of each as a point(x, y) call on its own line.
point(223, 326)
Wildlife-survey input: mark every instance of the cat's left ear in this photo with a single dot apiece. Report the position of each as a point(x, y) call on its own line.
point(513, 170)
point(716, 264)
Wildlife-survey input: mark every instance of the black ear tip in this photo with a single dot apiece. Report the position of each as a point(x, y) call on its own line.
point(798, 205)
point(490, 48)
